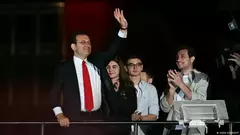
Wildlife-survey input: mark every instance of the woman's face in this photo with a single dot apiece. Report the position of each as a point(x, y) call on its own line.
point(113, 69)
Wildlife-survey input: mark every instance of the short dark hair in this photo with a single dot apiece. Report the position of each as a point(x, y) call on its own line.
point(133, 57)
point(75, 34)
point(191, 50)
point(149, 73)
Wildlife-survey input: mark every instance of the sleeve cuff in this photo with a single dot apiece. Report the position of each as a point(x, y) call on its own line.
point(138, 110)
point(154, 113)
point(165, 107)
point(57, 110)
point(122, 34)
point(165, 103)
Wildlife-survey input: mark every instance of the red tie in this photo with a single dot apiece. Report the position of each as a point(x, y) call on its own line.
point(87, 88)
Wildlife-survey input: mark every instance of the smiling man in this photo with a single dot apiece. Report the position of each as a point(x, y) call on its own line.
point(82, 83)
point(188, 84)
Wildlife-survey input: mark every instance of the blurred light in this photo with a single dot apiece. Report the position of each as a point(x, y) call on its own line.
point(59, 4)
point(233, 25)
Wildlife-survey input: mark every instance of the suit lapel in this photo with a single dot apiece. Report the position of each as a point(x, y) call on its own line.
point(73, 78)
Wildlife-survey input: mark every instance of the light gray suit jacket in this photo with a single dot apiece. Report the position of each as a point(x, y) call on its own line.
point(198, 85)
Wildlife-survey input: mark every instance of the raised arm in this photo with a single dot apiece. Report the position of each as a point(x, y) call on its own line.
point(119, 40)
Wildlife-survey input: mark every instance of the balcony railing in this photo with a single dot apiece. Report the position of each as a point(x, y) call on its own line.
point(42, 124)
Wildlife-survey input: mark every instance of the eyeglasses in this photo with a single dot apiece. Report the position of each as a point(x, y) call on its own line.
point(84, 42)
point(134, 65)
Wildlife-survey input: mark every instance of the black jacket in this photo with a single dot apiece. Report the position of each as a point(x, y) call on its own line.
point(65, 81)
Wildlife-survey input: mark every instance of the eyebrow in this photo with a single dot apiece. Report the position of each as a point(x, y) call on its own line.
point(135, 63)
point(83, 40)
point(113, 65)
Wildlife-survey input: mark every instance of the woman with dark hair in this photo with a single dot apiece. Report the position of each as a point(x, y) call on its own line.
point(122, 97)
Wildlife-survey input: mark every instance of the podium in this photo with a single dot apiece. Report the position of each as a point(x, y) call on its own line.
point(198, 113)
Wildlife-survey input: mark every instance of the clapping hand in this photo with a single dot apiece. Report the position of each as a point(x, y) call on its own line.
point(175, 77)
point(236, 58)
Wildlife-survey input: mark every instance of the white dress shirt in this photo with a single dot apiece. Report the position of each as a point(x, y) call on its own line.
point(95, 79)
point(95, 83)
point(187, 81)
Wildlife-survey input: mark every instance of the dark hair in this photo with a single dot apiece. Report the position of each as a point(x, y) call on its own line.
point(75, 34)
point(191, 51)
point(123, 76)
point(133, 57)
point(149, 73)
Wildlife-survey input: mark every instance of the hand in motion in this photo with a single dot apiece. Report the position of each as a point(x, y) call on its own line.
point(120, 18)
point(175, 77)
point(236, 58)
point(172, 86)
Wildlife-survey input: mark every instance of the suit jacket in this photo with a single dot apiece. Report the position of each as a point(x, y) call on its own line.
point(122, 103)
point(198, 86)
point(65, 81)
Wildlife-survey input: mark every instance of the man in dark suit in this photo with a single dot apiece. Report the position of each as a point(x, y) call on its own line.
point(83, 82)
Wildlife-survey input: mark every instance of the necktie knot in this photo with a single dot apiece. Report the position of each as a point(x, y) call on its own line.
point(116, 85)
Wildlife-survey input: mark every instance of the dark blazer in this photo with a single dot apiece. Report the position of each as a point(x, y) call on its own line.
point(65, 81)
point(122, 103)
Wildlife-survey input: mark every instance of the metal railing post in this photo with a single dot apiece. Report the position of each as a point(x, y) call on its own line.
point(230, 128)
point(135, 128)
point(42, 128)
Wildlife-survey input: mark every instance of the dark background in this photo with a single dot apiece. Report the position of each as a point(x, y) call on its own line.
point(155, 30)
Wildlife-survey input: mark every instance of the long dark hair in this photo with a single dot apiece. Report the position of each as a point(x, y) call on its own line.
point(123, 76)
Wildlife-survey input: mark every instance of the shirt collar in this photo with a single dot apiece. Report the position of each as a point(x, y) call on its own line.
point(78, 60)
point(140, 84)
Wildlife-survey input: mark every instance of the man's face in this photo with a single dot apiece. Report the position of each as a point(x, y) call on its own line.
point(113, 69)
point(183, 61)
point(145, 77)
point(83, 47)
point(134, 67)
